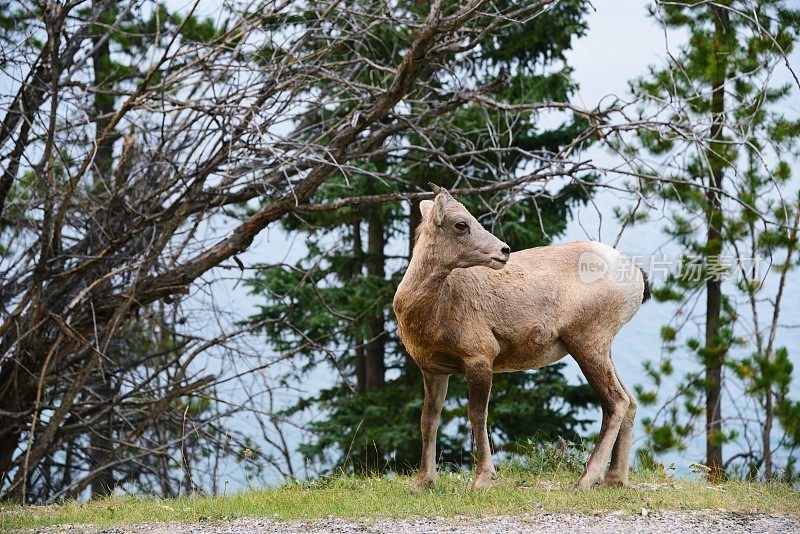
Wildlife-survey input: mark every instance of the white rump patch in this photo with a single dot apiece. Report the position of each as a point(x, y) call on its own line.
point(604, 262)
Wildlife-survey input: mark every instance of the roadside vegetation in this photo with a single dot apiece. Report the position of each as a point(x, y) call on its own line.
point(540, 483)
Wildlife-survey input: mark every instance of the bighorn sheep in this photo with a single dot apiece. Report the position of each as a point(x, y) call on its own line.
point(468, 305)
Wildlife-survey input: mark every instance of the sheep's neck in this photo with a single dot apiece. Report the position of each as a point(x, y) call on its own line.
point(423, 283)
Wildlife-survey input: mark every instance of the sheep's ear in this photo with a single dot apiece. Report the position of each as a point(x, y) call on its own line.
point(425, 208)
point(439, 190)
point(439, 207)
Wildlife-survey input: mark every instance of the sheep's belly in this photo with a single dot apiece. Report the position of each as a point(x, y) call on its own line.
point(506, 363)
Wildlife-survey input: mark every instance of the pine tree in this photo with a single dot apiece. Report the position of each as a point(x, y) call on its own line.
point(334, 306)
point(727, 154)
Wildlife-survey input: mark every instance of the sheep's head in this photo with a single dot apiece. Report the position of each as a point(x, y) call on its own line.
point(457, 238)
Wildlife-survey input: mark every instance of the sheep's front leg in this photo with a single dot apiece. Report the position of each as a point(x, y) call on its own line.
point(479, 385)
point(435, 393)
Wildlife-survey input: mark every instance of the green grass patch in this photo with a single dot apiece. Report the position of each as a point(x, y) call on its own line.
point(519, 491)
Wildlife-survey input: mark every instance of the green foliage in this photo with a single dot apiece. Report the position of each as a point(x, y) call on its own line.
point(378, 429)
point(322, 310)
point(740, 144)
point(550, 458)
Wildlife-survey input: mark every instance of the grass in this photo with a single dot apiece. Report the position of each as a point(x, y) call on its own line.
point(520, 491)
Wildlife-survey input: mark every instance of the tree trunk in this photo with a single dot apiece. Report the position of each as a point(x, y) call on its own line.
point(376, 241)
point(768, 415)
point(361, 363)
point(102, 439)
point(715, 351)
point(714, 359)
point(103, 109)
point(414, 218)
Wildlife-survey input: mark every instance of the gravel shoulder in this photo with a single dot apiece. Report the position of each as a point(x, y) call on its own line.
point(550, 523)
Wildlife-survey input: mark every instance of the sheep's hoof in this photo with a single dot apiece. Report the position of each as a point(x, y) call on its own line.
point(614, 482)
point(483, 481)
point(422, 484)
point(585, 483)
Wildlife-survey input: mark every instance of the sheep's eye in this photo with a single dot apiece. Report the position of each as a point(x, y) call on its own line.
point(461, 225)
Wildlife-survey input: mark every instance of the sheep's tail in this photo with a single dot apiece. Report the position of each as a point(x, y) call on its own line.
point(646, 292)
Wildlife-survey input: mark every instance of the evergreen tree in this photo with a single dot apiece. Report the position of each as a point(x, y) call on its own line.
point(334, 306)
point(729, 154)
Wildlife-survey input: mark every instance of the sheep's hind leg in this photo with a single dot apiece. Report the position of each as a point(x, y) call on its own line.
point(620, 456)
point(599, 372)
point(479, 385)
point(435, 393)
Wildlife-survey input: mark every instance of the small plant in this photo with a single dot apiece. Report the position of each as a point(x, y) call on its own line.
point(549, 458)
